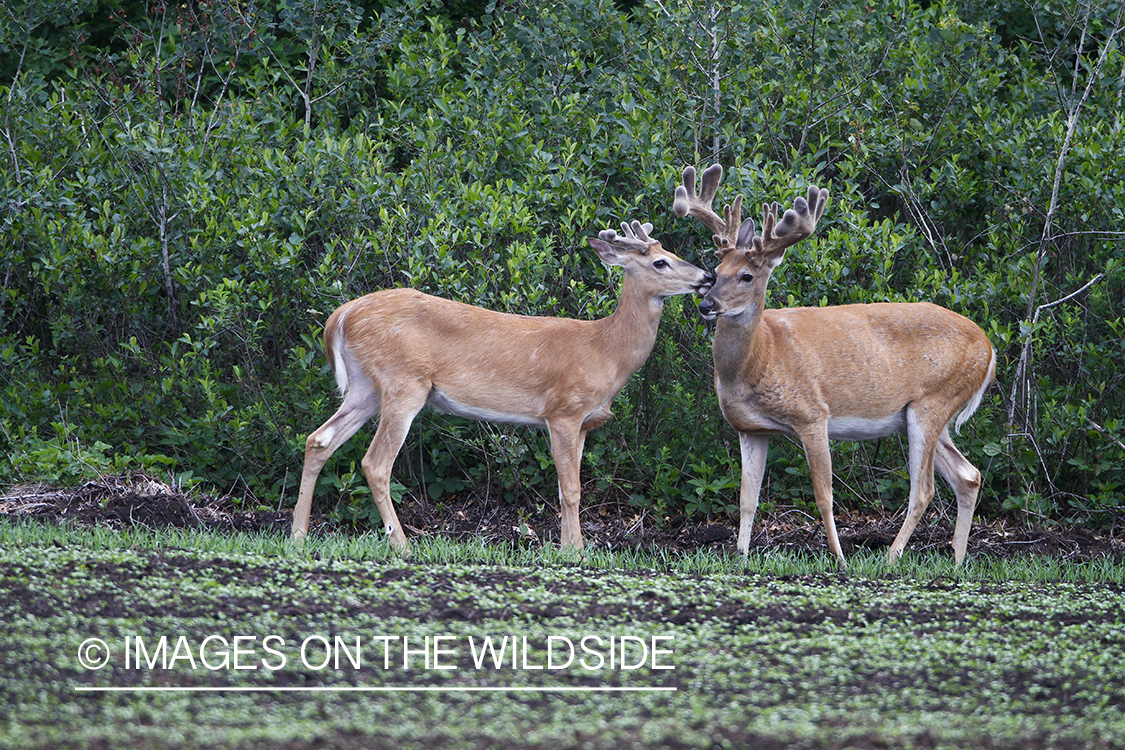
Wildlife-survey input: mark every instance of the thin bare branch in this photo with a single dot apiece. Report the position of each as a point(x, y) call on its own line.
point(1101, 431)
point(1025, 352)
point(1074, 112)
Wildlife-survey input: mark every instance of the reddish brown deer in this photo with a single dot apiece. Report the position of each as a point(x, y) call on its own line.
point(853, 372)
point(396, 351)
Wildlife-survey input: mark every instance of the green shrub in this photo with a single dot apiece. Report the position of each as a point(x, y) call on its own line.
point(180, 219)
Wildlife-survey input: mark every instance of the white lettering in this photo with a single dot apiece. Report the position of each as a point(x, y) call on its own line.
point(551, 640)
point(324, 644)
point(225, 663)
point(266, 645)
point(487, 647)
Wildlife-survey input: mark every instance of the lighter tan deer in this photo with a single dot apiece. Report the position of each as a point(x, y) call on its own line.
point(853, 372)
point(395, 351)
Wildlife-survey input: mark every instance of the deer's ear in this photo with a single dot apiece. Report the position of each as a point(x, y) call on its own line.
point(609, 253)
point(745, 234)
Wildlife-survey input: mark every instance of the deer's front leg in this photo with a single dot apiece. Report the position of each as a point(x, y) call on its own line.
point(922, 430)
point(567, 441)
point(754, 449)
point(819, 455)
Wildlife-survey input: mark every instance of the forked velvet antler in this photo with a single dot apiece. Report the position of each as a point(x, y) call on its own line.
point(634, 236)
point(687, 201)
point(796, 224)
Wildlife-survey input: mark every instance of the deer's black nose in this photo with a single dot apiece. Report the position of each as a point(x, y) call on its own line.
point(706, 306)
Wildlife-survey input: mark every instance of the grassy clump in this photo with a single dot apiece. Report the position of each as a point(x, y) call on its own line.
point(924, 566)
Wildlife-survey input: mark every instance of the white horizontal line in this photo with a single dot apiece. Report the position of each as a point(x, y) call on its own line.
point(370, 689)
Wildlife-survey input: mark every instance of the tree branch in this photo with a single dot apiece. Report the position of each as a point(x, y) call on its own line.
point(1025, 353)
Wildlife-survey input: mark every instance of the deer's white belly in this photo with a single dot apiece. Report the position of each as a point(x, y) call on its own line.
point(858, 428)
point(438, 401)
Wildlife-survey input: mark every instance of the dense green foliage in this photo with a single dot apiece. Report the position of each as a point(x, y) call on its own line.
point(188, 191)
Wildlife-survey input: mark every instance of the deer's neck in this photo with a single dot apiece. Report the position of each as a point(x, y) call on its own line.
point(742, 346)
point(630, 332)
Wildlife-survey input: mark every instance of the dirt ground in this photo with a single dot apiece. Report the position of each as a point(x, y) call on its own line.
point(138, 500)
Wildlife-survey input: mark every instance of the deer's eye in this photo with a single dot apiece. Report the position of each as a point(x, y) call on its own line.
point(747, 277)
point(660, 263)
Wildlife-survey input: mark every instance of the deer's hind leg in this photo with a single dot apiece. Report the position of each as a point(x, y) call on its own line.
point(360, 404)
point(400, 405)
point(965, 480)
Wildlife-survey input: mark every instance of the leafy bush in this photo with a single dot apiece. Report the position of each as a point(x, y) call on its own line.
point(184, 203)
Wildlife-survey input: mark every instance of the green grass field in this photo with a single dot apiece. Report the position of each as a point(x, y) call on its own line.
point(246, 641)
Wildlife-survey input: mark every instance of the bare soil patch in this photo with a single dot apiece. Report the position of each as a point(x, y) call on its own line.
point(137, 500)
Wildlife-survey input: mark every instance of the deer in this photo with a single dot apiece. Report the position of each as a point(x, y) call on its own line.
point(396, 351)
point(849, 372)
